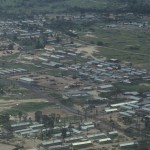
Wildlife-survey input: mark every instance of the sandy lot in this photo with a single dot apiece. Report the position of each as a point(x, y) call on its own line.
point(90, 35)
point(54, 83)
point(51, 110)
point(89, 50)
point(94, 93)
point(6, 147)
point(4, 53)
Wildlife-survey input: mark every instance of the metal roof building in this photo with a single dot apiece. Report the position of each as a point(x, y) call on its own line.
point(20, 124)
point(125, 114)
point(82, 144)
point(96, 136)
point(52, 143)
point(59, 147)
point(27, 80)
point(104, 140)
point(125, 103)
point(128, 144)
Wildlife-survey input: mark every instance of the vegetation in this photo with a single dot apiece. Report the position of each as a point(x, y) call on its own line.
point(12, 90)
point(26, 107)
point(130, 45)
point(16, 7)
point(133, 87)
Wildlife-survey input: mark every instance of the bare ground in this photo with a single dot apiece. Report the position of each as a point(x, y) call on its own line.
point(88, 49)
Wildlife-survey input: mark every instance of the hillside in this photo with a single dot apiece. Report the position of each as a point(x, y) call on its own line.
point(28, 7)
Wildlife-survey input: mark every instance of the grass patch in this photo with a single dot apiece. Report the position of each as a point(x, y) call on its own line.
point(133, 87)
point(123, 44)
point(27, 107)
point(7, 60)
point(13, 90)
point(38, 6)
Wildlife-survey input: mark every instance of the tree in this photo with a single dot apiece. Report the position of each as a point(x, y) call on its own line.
point(38, 116)
point(30, 120)
point(5, 121)
point(39, 44)
point(51, 123)
point(25, 117)
point(58, 39)
point(100, 43)
point(57, 118)
point(1, 91)
point(48, 121)
point(45, 119)
point(64, 133)
point(20, 115)
point(70, 128)
point(53, 116)
point(11, 46)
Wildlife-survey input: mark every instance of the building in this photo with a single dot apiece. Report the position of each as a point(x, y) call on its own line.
point(27, 80)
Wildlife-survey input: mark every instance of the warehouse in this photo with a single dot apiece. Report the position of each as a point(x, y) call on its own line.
point(133, 145)
point(109, 110)
point(82, 144)
point(125, 114)
point(106, 140)
point(113, 133)
point(51, 143)
point(59, 147)
point(125, 103)
point(96, 136)
point(85, 128)
point(37, 126)
point(20, 126)
point(75, 131)
point(73, 139)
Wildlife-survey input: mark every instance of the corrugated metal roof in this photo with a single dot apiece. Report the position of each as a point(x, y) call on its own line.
point(82, 143)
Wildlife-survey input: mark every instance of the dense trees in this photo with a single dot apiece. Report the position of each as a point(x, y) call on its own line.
point(15, 8)
point(47, 120)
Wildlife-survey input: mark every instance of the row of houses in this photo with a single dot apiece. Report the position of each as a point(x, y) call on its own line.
point(76, 140)
point(104, 71)
point(15, 71)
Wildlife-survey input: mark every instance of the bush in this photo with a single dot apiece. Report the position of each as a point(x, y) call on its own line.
point(100, 43)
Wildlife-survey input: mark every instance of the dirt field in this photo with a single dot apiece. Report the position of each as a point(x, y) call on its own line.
point(6, 147)
point(8, 52)
point(31, 143)
point(54, 83)
point(94, 93)
point(90, 35)
point(51, 110)
point(89, 50)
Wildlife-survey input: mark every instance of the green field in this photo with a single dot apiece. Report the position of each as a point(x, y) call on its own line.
point(59, 4)
point(137, 86)
point(27, 107)
point(124, 44)
point(18, 7)
point(12, 90)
